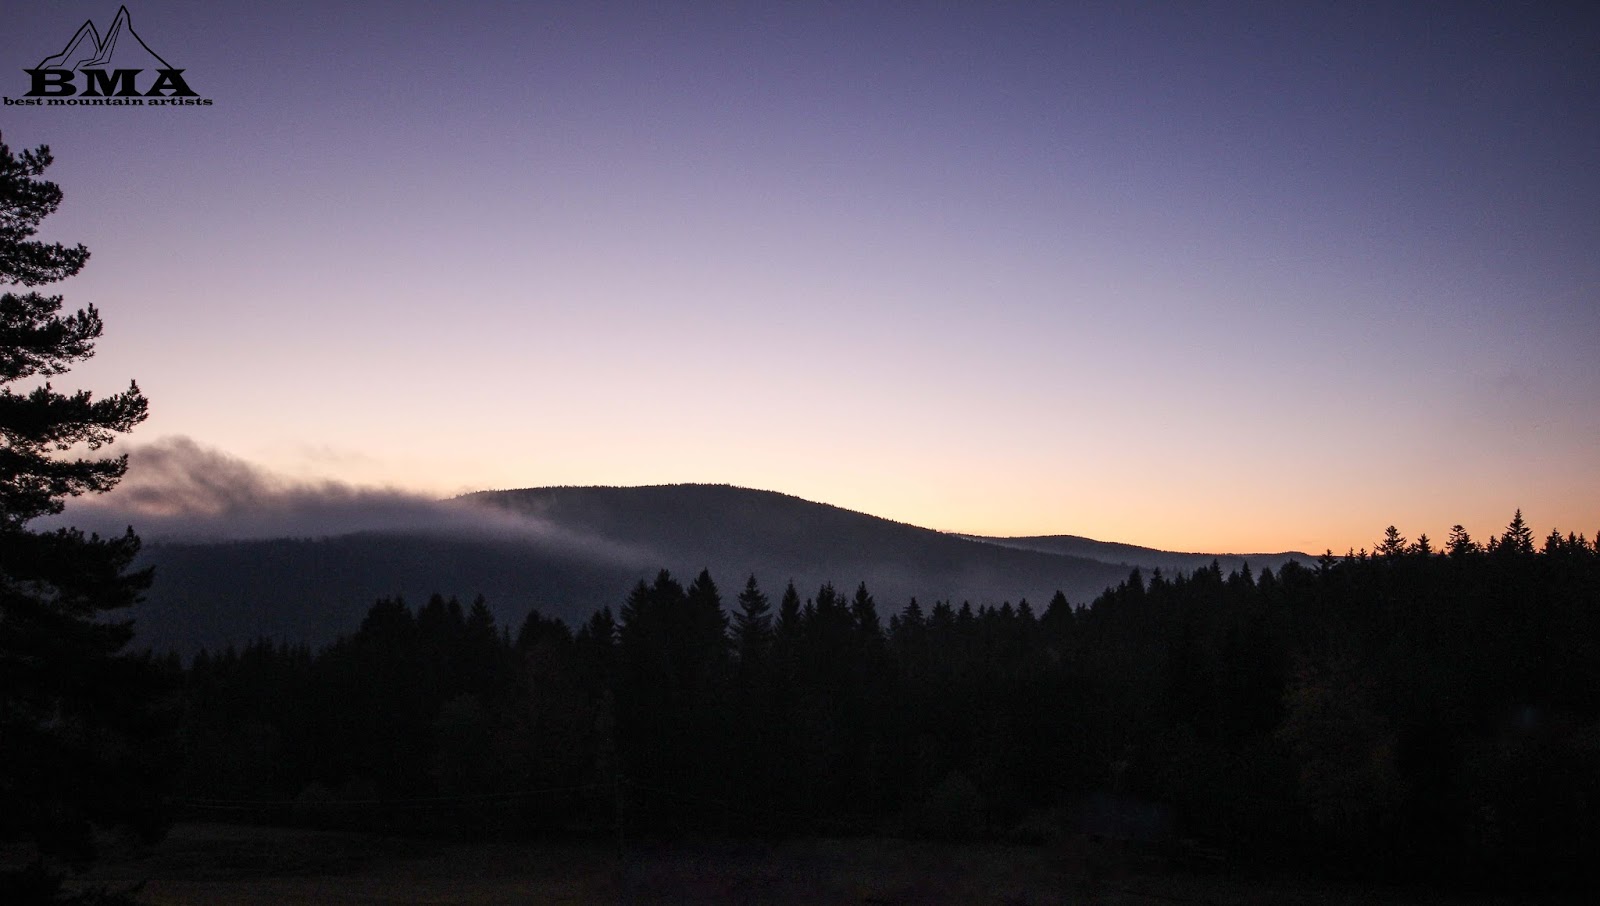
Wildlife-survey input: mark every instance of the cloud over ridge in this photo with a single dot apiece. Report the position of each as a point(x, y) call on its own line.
point(179, 490)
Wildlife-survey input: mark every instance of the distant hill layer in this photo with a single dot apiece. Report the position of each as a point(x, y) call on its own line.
point(591, 546)
point(1146, 558)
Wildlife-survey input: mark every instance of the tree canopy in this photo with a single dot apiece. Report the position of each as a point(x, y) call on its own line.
point(77, 733)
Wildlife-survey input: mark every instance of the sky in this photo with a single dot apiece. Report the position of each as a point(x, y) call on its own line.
point(1197, 276)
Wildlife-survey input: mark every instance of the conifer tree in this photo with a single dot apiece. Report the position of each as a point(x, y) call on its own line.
point(1460, 544)
point(1518, 538)
point(1393, 544)
point(789, 613)
point(864, 610)
point(1423, 546)
point(1057, 609)
point(76, 732)
point(704, 642)
point(752, 624)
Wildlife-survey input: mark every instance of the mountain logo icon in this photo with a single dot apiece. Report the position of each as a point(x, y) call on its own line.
point(120, 46)
point(106, 69)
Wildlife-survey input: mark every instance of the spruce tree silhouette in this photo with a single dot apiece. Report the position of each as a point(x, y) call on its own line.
point(752, 624)
point(76, 727)
point(1518, 539)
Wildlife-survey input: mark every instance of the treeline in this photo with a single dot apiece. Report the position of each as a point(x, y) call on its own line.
point(1405, 713)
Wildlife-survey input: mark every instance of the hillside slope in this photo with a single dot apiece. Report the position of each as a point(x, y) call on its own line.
point(212, 594)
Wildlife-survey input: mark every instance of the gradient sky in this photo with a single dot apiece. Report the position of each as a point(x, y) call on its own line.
point(1254, 276)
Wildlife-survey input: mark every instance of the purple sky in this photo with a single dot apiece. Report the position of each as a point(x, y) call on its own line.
point(1197, 276)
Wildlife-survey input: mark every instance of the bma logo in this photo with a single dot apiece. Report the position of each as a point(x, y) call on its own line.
point(111, 67)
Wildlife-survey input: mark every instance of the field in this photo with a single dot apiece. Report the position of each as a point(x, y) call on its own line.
point(219, 864)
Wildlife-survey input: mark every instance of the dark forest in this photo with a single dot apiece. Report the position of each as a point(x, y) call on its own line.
point(1409, 714)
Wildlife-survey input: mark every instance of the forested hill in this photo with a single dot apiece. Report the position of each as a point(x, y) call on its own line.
point(780, 537)
point(589, 546)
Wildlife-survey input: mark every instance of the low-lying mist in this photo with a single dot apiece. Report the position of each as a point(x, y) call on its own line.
point(177, 490)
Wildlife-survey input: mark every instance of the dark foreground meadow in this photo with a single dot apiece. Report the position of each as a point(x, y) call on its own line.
point(220, 864)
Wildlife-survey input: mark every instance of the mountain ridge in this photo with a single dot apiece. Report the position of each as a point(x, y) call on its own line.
point(586, 547)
